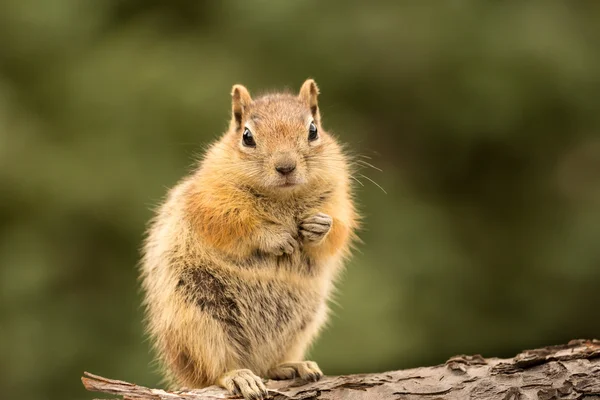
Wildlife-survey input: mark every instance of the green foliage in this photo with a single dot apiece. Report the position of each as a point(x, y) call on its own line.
point(484, 118)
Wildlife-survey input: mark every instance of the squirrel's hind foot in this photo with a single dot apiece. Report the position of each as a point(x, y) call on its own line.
point(305, 370)
point(244, 382)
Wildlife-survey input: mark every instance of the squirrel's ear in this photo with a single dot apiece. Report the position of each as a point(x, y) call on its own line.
point(308, 94)
point(240, 100)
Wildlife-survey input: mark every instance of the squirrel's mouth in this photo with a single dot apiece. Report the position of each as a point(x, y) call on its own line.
point(290, 182)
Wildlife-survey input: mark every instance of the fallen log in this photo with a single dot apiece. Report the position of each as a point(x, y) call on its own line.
point(570, 371)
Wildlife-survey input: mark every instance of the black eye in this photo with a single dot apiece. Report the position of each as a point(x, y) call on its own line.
point(313, 133)
point(248, 139)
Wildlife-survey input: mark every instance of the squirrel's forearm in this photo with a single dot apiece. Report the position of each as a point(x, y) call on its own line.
point(335, 241)
point(232, 231)
point(236, 231)
point(340, 236)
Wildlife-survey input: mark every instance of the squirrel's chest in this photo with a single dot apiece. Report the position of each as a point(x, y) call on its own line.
point(290, 213)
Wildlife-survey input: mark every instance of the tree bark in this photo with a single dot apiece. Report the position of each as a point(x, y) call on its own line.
point(570, 371)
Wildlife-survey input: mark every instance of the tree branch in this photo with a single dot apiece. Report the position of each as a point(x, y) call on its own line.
point(570, 371)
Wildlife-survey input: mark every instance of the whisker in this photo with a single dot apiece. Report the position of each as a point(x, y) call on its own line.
point(359, 182)
point(369, 165)
point(375, 183)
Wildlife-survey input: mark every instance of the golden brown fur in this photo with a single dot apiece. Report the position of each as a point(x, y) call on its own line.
point(240, 259)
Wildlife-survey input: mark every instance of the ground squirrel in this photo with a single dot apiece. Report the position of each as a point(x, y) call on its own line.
point(240, 259)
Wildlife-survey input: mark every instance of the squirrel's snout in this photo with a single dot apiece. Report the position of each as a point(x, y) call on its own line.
point(285, 168)
point(284, 163)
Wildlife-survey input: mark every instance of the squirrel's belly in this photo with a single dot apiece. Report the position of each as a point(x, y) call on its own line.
point(276, 317)
point(260, 317)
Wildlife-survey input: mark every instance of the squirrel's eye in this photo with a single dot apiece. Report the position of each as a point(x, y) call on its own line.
point(313, 133)
point(248, 139)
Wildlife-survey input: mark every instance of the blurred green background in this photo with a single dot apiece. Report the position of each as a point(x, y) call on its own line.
point(484, 118)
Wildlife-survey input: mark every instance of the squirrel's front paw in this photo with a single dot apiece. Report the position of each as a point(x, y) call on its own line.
point(282, 243)
point(315, 228)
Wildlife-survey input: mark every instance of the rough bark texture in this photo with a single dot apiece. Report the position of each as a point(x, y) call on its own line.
point(570, 371)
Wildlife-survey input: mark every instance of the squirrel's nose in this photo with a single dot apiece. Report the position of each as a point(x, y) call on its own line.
point(285, 168)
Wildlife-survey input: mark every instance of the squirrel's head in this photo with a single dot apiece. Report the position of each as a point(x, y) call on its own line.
point(278, 141)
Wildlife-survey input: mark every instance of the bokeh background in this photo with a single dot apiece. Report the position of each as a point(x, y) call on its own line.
point(482, 116)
